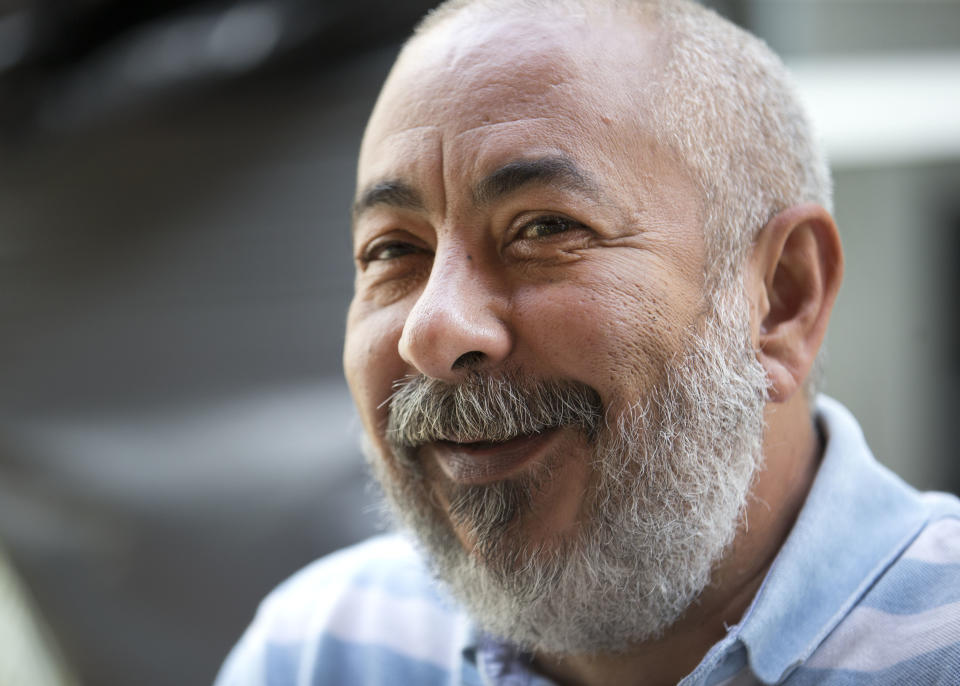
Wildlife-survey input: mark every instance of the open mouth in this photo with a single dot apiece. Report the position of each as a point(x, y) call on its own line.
point(479, 462)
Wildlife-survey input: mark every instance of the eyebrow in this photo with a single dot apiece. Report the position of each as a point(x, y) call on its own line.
point(553, 169)
point(393, 193)
point(557, 170)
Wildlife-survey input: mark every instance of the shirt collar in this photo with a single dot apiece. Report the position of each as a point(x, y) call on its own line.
point(857, 518)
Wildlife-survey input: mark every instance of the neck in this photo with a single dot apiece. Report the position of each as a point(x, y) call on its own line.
point(792, 452)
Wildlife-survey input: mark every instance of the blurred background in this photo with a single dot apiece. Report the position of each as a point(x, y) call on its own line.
point(175, 178)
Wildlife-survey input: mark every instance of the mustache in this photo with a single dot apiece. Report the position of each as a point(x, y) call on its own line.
point(487, 408)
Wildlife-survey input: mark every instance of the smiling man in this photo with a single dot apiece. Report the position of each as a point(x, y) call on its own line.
point(594, 270)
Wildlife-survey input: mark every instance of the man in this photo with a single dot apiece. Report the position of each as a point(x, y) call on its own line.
point(594, 270)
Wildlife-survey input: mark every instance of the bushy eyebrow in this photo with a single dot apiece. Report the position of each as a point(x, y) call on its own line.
point(557, 170)
point(393, 193)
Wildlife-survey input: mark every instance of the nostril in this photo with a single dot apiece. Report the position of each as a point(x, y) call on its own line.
point(469, 360)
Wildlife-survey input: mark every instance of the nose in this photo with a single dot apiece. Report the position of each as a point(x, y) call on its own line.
point(457, 324)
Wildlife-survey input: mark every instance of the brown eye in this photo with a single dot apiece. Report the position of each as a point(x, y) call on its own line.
point(546, 226)
point(390, 250)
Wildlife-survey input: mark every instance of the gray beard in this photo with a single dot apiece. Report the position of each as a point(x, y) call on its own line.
point(672, 474)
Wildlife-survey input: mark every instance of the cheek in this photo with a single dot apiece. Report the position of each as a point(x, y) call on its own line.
point(372, 363)
point(648, 327)
point(615, 336)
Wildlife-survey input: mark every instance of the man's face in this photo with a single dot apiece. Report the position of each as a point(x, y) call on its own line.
point(522, 224)
point(522, 242)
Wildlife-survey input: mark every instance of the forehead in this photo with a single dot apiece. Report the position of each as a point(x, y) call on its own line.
point(476, 75)
point(472, 93)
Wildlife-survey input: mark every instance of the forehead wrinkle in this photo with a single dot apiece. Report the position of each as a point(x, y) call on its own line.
point(506, 123)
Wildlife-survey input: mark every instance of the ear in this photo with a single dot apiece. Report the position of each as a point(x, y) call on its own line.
point(795, 269)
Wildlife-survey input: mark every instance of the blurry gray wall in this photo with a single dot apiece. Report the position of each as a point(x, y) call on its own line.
point(175, 435)
point(175, 265)
point(893, 341)
point(882, 79)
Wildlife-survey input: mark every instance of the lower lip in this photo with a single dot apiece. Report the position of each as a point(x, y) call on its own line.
point(475, 464)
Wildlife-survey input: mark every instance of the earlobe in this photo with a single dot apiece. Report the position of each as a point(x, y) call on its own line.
point(797, 266)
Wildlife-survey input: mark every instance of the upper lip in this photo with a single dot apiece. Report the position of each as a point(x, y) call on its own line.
point(481, 443)
point(451, 439)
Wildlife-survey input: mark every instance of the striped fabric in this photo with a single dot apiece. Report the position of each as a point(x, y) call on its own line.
point(866, 590)
point(906, 630)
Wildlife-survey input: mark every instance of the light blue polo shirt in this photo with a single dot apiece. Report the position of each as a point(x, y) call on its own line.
point(866, 590)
